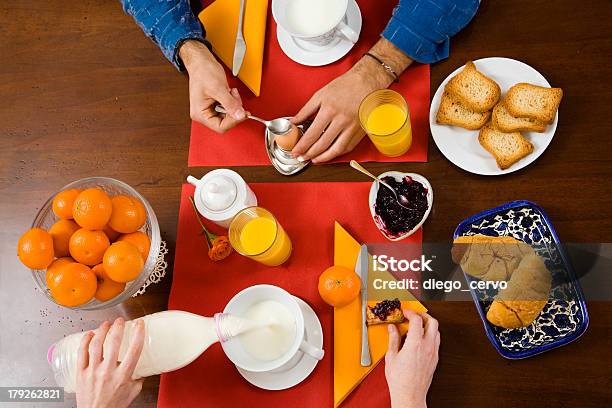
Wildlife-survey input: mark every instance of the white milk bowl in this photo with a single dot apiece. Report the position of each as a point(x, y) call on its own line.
point(239, 305)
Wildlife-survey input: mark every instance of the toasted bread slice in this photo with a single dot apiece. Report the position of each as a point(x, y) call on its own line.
point(475, 90)
point(452, 112)
point(506, 148)
point(532, 101)
point(504, 121)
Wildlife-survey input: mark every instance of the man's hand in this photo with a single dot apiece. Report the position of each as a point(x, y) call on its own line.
point(336, 129)
point(101, 381)
point(207, 87)
point(409, 370)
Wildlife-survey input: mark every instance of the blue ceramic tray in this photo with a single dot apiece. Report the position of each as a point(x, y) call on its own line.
point(565, 317)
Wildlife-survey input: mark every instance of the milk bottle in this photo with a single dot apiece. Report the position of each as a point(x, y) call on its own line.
point(173, 339)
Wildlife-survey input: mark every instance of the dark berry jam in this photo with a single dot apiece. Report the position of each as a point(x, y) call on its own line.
point(384, 308)
point(391, 217)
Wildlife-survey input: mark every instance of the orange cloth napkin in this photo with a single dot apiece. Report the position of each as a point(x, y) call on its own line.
point(221, 22)
point(348, 372)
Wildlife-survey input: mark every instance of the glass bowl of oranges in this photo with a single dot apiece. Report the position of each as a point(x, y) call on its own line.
point(92, 245)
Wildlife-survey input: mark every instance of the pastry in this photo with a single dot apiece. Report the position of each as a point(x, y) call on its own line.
point(489, 258)
point(526, 295)
point(506, 259)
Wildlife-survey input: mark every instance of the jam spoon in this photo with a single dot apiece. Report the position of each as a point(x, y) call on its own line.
point(400, 198)
point(277, 126)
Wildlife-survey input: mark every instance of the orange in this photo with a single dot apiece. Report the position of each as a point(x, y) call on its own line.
point(73, 284)
point(92, 209)
point(128, 214)
point(61, 232)
point(54, 267)
point(63, 202)
point(107, 288)
point(35, 249)
point(123, 262)
point(339, 286)
point(111, 233)
point(87, 247)
point(141, 240)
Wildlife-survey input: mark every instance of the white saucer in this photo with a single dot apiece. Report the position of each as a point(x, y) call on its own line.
point(301, 365)
point(311, 55)
point(461, 146)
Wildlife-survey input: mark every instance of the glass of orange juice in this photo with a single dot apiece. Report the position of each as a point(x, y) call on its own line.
point(256, 234)
point(385, 117)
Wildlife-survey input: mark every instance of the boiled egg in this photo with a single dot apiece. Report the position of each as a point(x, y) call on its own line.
point(288, 140)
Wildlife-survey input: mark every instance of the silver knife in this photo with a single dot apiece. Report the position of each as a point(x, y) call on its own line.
point(363, 269)
point(240, 48)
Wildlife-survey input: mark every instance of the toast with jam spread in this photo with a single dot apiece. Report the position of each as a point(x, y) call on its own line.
point(387, 311)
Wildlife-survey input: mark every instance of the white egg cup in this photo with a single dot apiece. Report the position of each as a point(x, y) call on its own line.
point(282, 160)
point(399, 176)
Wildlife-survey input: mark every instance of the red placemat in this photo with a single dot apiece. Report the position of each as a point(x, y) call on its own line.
point(287, 86)
point(307, 211)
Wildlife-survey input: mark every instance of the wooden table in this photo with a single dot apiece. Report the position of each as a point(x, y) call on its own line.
point(84, 93)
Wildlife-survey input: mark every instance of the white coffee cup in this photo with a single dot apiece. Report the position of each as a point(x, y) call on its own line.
point(238, 306)
point(317, 22)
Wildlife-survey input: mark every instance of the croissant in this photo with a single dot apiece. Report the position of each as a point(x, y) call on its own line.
point(525, 296)
point(507, 259)
point(489, 258)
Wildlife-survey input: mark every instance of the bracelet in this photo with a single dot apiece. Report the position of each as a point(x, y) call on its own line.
point(386, 66)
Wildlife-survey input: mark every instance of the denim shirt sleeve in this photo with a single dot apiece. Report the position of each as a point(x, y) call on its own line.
point(422, 28)
point(167, 22)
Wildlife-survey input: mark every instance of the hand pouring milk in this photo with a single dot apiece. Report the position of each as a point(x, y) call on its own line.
point(173, 339)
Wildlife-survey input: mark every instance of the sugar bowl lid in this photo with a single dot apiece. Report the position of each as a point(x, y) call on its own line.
point(218, 193)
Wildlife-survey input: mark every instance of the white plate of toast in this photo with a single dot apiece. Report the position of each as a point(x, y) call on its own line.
point(494, 116)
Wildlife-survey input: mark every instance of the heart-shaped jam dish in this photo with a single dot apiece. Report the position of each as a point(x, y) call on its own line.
point(394, 220)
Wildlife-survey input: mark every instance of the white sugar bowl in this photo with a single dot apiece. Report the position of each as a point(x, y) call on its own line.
point(221, 194)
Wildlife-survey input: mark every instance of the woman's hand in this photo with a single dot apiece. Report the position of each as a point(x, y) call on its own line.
point(208, 87)
point(335, 107)
point(101, 381)
point(409, 370)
